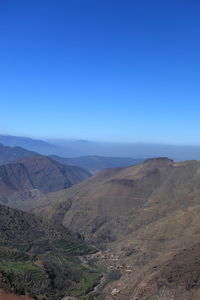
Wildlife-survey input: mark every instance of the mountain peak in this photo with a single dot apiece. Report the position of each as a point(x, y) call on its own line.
point(159, 161)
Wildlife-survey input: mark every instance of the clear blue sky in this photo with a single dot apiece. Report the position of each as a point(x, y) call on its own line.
point(101, 69)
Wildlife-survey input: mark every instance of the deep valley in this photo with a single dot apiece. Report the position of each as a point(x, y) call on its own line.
point(125, 233)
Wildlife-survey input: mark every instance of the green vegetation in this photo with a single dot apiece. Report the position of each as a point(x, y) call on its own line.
point(83, 279)
point(19, 267)
point(86, 284)
point(114, 275)
point(72, 248)
point(56, 273)
point(25, 247)
point(13, 256)
point(41, 259)
point(100, 297)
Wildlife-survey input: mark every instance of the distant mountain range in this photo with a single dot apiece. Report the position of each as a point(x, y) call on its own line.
point(95, 164)
point(77, 148)
point(92, 164)
point(34, 145)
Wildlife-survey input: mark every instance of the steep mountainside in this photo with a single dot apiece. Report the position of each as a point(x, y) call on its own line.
point(177, 278)
point(40, 259)
point(148, 216)
point(95, 164)
point(8, 154)
point(110, 202)
point(31, 176)
point(16, 226)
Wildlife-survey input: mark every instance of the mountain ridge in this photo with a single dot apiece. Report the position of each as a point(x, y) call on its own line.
point(9, 154)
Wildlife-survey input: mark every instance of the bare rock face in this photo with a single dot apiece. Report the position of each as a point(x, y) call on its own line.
point(159, 161)
point(115, 292)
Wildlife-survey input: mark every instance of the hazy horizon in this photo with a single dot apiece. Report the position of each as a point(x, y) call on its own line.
point(80, 148)
point(82, 139)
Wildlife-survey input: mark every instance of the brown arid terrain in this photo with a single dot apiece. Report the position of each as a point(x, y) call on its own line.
point(4, 296)
point(177, 278)
point(148, 217)
point(30, 177)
